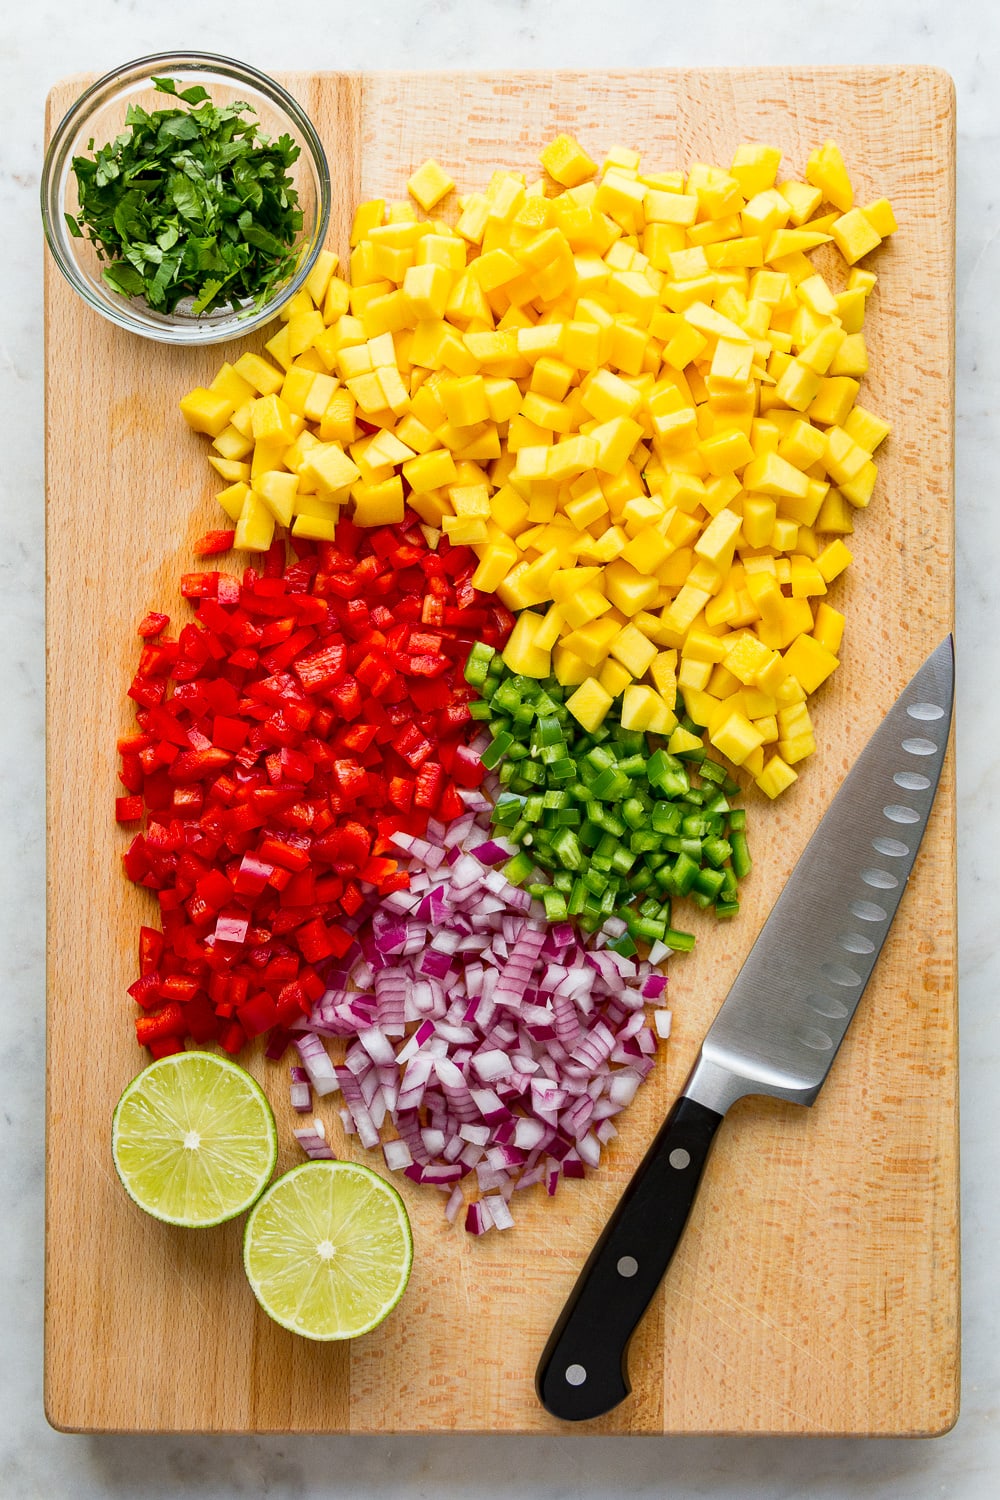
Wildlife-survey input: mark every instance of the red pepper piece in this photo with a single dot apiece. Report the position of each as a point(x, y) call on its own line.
point(145, 991)
point(152, 624)
point(314, 940)
point(164, 1046)
point(214, 542)
point(450, 806)
point(429, 784)
point(166, 1022)
point(128, 809)
point(279, 852)
point(232, 1038)
point(258, 1014)
point(199, 765)
point(150, 949)
point(198, 586)
point(179, 988)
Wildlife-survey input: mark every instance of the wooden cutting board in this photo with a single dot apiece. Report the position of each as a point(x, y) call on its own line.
point(816, 1290)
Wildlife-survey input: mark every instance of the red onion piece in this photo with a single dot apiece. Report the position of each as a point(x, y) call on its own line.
point(482, 1042)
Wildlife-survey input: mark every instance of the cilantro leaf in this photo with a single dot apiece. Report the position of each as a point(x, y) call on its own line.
point(190, 204)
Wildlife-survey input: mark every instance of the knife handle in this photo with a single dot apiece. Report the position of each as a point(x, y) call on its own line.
point(583, 1371)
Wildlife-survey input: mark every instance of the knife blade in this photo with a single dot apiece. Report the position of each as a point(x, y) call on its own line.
point(776, 1033)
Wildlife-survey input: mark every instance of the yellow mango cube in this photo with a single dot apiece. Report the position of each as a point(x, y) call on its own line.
point(255, 527)
point(776, 777)
point(566, 162)
point(627, 588)
point(231, 499)
point(330, 466)
point(641, 705)
point(826, 171)
point(717, 541)
point(755, 167)
point(379, 504)
point(865, 428)
point(278, 491)
point(633, 650)
point(589, 704)
point(207, 411)
point(829, 627)
point(615, 440)
point(522, 653)
point(737, 736)
point(809, 662)
point(614, 678)
point(429, 184)
point(855, 235)
point(832, 401)
point(569, 669)
point(833, 559)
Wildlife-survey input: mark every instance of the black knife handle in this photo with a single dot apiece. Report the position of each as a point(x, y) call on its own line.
point(583, 1371)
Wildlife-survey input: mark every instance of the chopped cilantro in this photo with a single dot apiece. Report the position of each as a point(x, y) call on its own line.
point(190, 203)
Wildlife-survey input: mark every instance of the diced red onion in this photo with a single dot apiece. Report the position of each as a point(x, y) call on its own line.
point(482, 1039)
point(314, 1143)
point(300, 1097)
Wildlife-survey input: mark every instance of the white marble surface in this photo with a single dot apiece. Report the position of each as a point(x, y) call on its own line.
point(50, 38)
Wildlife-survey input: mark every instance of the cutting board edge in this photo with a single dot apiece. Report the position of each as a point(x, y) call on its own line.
point(933, 72)
point(59, 1413)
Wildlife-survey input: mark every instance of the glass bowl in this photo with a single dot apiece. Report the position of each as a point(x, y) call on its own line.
point(99, 116)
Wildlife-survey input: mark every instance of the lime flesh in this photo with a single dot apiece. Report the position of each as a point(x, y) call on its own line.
point(194, 1139)
point(328, 1250)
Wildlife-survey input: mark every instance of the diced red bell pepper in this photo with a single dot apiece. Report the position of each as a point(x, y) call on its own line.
point(310, 711)
point(214, 542)
point(152, 624)
point(128, 809)
point(167, 1021)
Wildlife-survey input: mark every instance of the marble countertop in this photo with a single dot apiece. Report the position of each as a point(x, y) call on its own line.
point(51, 39)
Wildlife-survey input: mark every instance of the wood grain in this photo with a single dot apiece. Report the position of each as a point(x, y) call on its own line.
point(816, 1290)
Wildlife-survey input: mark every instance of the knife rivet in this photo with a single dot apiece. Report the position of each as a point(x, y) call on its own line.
point(575, 1374)
point(679, 1158)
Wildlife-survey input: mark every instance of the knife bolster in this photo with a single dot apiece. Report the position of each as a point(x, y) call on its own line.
point(717, 1082)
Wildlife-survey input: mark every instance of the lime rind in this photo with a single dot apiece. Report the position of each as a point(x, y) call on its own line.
point(328, 1250)
point(194, 1140)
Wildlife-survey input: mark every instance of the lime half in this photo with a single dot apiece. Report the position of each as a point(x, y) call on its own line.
point(194, 1139)
point(328, 1249)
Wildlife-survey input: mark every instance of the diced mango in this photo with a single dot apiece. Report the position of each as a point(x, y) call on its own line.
point(736, 737)
point(429, 184)
point(634, 399)
point(776, 777)
point(255, 527)
point(825, 169)
point(206, 410)
point(566, 162)
point(589, 704)
point(855, 235)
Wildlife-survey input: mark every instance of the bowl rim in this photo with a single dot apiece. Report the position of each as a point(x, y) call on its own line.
point(103, 90)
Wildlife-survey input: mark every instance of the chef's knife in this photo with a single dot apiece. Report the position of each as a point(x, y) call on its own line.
point(776, 1033)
